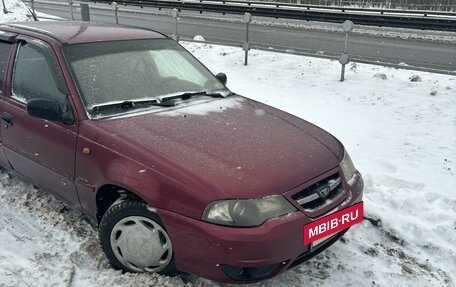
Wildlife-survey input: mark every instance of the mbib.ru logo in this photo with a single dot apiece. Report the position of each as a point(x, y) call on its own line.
point(333, 223)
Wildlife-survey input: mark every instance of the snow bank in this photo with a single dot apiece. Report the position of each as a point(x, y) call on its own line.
point(400, 133)
point(17, 11)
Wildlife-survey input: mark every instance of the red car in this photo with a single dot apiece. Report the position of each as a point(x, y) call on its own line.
point(181, 173)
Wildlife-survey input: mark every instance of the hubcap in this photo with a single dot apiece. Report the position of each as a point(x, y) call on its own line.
point(141, 244)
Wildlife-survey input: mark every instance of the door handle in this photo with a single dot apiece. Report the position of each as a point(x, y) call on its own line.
point(7, 120)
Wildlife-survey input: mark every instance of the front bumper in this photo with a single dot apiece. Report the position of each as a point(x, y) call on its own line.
point(239, 255)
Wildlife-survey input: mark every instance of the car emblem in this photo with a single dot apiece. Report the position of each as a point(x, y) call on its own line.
point(324, 192)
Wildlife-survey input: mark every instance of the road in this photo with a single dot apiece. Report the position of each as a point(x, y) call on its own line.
point(419, 53)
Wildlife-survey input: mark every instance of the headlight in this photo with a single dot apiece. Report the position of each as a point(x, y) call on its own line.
point(347, 166)
point(247, 212)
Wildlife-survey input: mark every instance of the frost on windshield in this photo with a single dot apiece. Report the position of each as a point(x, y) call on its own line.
point(134, 70)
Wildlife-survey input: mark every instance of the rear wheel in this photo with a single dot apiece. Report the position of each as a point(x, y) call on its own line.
point(135, 240)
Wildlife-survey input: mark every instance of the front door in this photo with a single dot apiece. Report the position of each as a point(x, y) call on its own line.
point(40, 150)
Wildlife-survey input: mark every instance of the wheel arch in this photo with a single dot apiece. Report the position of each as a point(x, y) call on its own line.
point(109, 193)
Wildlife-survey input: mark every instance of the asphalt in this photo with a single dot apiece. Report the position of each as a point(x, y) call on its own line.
point(419, 53)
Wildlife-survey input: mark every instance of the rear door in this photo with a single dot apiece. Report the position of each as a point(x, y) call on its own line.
point(5, 51)
point(41, 150)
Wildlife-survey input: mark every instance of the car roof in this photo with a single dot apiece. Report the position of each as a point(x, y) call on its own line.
point(75, 32)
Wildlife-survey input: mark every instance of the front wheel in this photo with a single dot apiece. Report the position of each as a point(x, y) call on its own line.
point(134, 239)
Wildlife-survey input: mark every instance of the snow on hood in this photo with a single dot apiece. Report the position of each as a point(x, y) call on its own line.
point(208, 107)
point(245, 148)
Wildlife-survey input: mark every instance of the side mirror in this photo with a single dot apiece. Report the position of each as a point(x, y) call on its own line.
point(48, 110)
point(222, 78)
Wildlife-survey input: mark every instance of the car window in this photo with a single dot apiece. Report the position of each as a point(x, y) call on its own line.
point(137, 69)
point(33, 77)
point(116, 76)
point(169, 64)
point(5, 49)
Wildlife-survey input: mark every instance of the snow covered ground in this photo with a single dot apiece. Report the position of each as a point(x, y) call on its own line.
point(16, 11)
point(400, 133)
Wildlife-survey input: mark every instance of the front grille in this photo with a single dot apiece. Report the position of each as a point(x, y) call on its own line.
point(319, 193)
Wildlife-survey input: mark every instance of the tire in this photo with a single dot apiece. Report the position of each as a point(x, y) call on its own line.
point(135, 240)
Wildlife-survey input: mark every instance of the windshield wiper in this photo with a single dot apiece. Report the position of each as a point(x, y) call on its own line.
point(188, 95)
point(131, 104)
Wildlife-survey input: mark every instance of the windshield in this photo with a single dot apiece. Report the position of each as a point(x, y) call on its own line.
point(120, 71)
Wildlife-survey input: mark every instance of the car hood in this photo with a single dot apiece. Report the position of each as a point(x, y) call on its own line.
point(240, 147)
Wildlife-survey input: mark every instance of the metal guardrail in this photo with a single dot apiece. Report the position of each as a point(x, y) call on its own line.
point(435, 5)
point(426, 20)
point(336, 8)
point(266, 47)
point(326, 55)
